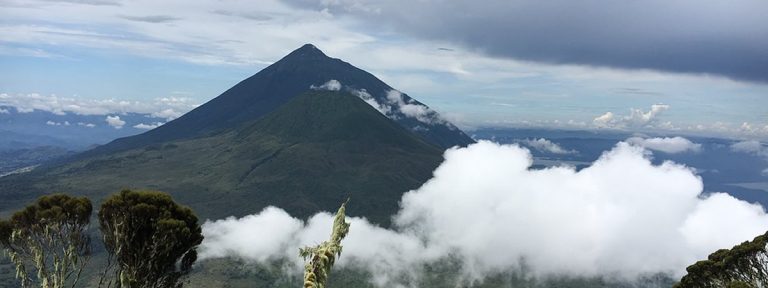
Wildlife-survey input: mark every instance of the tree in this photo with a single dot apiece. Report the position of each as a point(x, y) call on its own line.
point(151, 240)
point(322, 257)
point(744, 265)
point(49, 236)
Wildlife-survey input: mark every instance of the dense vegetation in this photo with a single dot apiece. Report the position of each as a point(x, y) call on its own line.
point(147, 234)
point(150, 240)
point(744, 265)
point(47, 241)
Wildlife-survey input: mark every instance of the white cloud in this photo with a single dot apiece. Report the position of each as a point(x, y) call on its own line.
point(115, 121)
point(169, 114)
point(604, 120)
point(230, 237)
point(89, 125)
point(545, 145)
point(167, 107)
point(381, 107)
point(620, 217)
point(4, 111)
point(666, 144)
point(750, 146)
point(148, 126)
point(331, 85)
point(412, 109)
point(637, 118)
point(764, 172)
point(52, 123)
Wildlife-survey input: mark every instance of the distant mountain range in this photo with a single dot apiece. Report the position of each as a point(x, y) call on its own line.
point(303, 134)
point(31, 129)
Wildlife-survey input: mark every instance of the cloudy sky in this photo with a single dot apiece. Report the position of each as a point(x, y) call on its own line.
point(683, 66)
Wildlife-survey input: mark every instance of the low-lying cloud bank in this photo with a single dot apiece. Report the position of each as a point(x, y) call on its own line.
point(166, 107)
point(546, 146)
point(670, 145)
point(621, 217)
point(394, 105)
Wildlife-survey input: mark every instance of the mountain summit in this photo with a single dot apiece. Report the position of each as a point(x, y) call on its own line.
point(278, 83)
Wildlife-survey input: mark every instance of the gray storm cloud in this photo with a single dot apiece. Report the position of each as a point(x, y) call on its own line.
point(712, 37)
point(620, 217)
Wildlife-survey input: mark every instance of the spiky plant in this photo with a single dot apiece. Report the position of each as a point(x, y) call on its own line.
point(322, 257)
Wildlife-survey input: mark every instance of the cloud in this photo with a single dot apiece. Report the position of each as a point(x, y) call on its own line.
point(637, 118)
point(412, 109)
point(620, 217)
point(88, 2)
point(148, 126)
point(165, 107)
point(335, 85)
point(394, 106)
point(545, 145)
point(669, 145)
point(88, 125)
point(595, 33)
point(381, 107)
point(169, 114)
point(331, 85)
point(751, 147)
point(151, 18)
point(4, 111)
point(115, 121)
point(52, 123)
point(464, 80)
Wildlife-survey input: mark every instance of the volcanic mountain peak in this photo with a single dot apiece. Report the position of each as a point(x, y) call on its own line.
point(275, 85)
point(307, 51)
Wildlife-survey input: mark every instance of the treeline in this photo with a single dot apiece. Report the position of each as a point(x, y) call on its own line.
point(150, 241)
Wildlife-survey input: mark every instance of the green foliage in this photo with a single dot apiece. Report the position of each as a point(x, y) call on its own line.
point(151, 239)
point(49, 236)
point(322, 257)
point(744, 265)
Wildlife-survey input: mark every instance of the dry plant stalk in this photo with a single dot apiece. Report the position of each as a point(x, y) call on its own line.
point(322, 257)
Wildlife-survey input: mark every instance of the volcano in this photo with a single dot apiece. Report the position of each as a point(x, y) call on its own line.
point(303, 134)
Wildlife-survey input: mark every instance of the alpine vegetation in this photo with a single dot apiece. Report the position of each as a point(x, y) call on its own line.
point(48, 241)
point(146, 235)
point(744, 265)
point(322, 256)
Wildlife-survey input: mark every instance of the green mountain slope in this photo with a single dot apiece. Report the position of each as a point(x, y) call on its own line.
point(308, 155)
